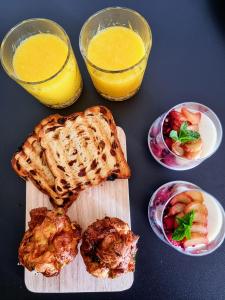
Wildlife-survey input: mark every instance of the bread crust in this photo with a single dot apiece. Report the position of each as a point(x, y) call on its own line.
point(100, 158)
point(29, 163)
point(67, 154)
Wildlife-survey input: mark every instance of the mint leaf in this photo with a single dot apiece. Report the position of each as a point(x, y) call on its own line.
point(184, 135)
point(183, 127)
point(178, 235)
point(174, 135)
point(184, 227)
point(188, 232)
point(188, 218)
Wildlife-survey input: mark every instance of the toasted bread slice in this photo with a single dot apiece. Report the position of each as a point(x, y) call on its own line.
point(30, 163)
point(83, 150)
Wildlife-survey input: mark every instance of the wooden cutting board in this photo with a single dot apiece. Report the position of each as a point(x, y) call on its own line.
point(109, 199)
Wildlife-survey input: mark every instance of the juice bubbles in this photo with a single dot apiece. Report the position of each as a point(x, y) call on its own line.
point(113, 49)
point(47, 68)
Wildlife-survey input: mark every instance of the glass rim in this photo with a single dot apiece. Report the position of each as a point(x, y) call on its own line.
point(119, 70)
point(200, 158)
point(195, 187)
point(22, 23)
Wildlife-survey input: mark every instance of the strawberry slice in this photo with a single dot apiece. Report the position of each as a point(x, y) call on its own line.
point(182, 198)
point(166, 127)
point(176, 209)
point(169, 142)
point(196, 239)
point(192, 117)
point(176, 119)
point(168, 223)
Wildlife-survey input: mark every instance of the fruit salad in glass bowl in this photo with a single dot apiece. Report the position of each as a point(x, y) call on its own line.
point(185, 136)
point(187, 218)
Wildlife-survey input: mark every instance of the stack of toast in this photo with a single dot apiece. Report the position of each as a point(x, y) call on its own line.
point(65, 155)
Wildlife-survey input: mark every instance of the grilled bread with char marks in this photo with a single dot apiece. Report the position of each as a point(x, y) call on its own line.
point(65, 155)
point(83, 150)
point(29, 163)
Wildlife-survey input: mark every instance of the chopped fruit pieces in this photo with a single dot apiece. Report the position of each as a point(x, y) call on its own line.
point(176, 209)
point(185, 220)
point(200, 228)
point(184, 227)
point(177, 148)
point(194, 146)
point(184, 135)
point(193, 127)
point(196, 239)
point(169, 142)
point(168, 223)
point(176, 119)
point(195, 195)
point(180, 215)
point(193, 155)
point(182, 198)
point(181, 133)
point(175, 243)
point(200, 218)
point(196, 206)
point(192, 117)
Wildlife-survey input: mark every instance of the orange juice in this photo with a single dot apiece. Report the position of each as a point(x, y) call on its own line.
point(48, 69)
point(115, 51)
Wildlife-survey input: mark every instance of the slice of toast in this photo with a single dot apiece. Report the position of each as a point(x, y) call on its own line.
point(29, 162)
point(83, 150)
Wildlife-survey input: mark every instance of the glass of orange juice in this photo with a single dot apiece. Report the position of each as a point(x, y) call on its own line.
point(38, 55)
point(115, 44)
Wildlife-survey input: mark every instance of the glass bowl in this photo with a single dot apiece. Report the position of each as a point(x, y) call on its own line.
point(161, 152)
point(158, 203)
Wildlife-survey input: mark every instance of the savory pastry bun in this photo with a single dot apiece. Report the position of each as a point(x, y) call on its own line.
point(108, 248)
point(50, 242)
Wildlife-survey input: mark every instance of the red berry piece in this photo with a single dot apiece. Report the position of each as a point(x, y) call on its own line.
point(174, 243)
point(168, 223)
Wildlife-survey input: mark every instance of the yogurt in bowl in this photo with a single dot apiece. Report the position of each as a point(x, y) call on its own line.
point(187, 218)
point(185, 136)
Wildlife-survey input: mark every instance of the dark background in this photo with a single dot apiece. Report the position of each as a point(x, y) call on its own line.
point(187, 62)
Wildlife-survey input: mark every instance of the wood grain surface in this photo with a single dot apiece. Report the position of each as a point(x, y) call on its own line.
point(109, 199)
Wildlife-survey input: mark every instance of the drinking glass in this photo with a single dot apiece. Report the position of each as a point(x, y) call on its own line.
point(122, 84)
point(60, 90)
